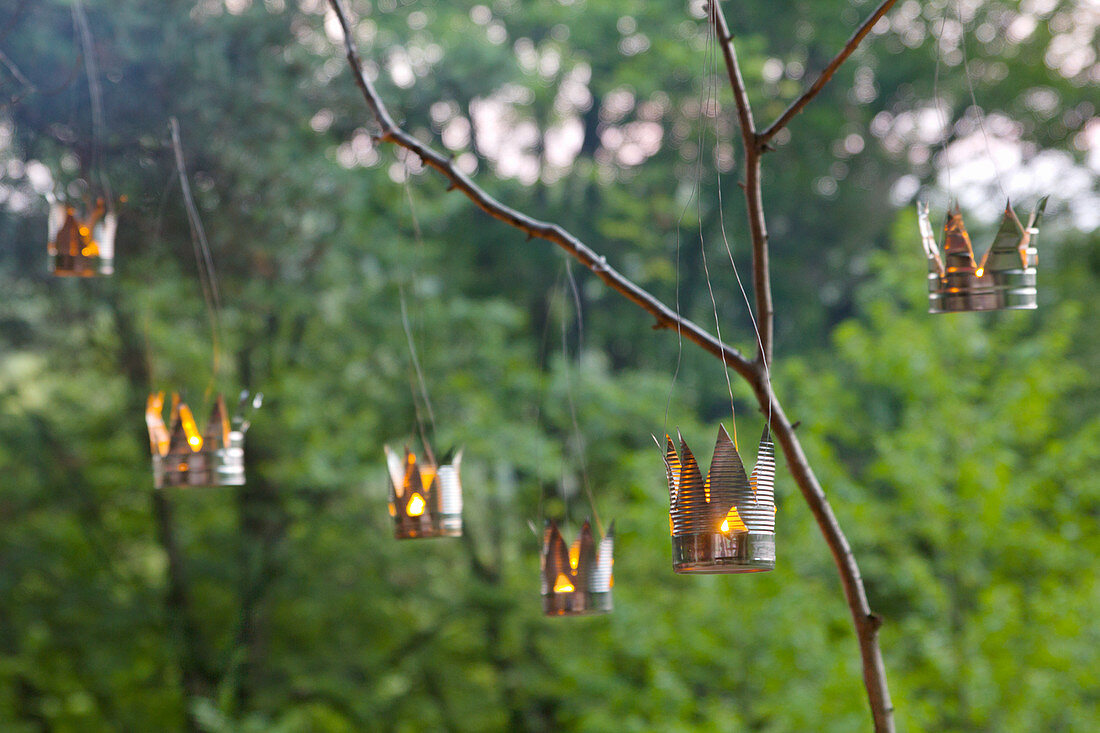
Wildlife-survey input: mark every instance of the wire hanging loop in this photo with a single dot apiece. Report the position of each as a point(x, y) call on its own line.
point(711, 80)
point(423, 396)
point(978, 112)
point(203, 257)
point(95, 93)
point(974, 101)
point(421, 382)
point(577, 435)
point(709, 111)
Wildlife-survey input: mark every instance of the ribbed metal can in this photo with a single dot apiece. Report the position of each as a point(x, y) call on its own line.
point(1005, 279)
point(183, 458)
point(577, 580)
point(744, 552)
point(1016, 285)
point(424, 501)
point(725, 524)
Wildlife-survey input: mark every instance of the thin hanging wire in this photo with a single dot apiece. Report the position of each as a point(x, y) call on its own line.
point(577, 436)
point(406, 325)
point(692, 196)
point(711, 85)
point(940, 105)
point(974, 100)
point(733, 263)
point(540, 391)
point(158, 229)
point(204, 259)
point(420, 381)
point(95, 93)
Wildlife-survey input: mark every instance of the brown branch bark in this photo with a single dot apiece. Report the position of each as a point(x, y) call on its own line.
point(754, 372)
point(827, 74)
point(865, 621)
point(390, 132)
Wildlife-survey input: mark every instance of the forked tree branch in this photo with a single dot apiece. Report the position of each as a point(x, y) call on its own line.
point(754, 372)
point(754, 197)
point(827, 74)
point(865, 621)
point(390, 132)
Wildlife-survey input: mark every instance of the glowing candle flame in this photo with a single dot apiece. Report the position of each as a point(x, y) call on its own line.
point(575, 554)
point(194, 439)
point(416, 505)
point(732, 522)
point(562, 585)
point(979, 271)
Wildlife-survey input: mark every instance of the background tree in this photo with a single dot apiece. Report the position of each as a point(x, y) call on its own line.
point(291, 607)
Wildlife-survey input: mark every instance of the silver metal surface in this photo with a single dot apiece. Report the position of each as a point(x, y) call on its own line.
point(1003, 280)
point(184, 457)
point(81, 245)
point(425, 500)
point(576, 581)
point(725, 524)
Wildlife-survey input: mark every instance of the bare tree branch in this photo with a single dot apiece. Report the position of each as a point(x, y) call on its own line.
point(755, 372)
point(865, 621)
point(390, 132)
point(819, 84)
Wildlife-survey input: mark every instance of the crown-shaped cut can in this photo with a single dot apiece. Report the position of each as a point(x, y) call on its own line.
point(725, 523)
point(81, 243)
point(184, 456)
point(1004, 279)
point(576, 580)
point(425, 499)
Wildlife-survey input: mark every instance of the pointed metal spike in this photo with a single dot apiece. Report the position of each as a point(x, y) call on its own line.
point(723, 436)
point(396, 467)
point(552, 559)
point(726, 476)
point(177, 441)
point(586, 556)
point(1037, 213)
point(928, 240)
point(559, 553)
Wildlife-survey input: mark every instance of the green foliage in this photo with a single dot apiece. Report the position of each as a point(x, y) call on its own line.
point(958, 451)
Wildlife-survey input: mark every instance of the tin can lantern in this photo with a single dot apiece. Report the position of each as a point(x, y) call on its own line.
point(1004, 279)
point(425, 499)
point(576, 580)
point(81, 242)
point(184, 456)
point(725, 524)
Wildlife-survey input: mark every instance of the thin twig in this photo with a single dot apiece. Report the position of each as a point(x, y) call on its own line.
point(15, 72)
point(826, 75)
